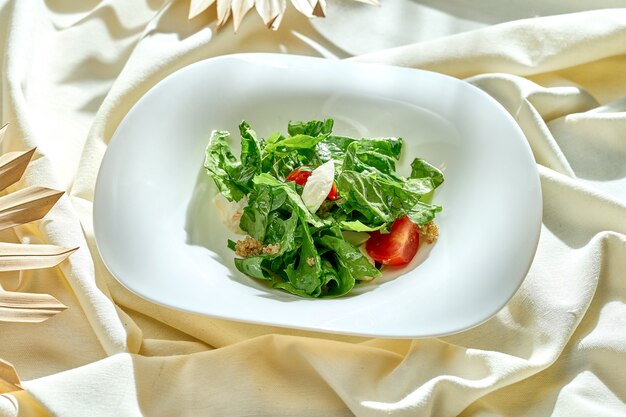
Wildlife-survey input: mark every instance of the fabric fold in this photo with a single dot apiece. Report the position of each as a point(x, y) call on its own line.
point(71, 73)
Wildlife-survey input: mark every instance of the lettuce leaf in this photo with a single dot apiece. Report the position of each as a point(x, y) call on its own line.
point(223, 167)
point(351, 257)
point(310, 128)
point(422, 169)
point(295, 202)
point(378, 201)
point(233, 177)
point(306, 276)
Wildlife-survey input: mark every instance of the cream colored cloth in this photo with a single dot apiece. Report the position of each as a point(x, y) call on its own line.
point(72, 69)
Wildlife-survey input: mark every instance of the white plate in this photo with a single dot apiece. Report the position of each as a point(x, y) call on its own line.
point(158, 233)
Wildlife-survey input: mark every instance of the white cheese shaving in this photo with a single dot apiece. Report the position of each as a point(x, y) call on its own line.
point(230, 212)
point(318, 186)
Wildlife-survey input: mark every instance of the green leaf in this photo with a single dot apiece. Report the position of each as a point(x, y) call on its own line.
point(306, 276)
point(250, 155)
point(421, 186)
point(262, 201)
point(281, 166)
point(422, 169)
point(310, 128)
point(354, 238)
point(295, 200)
point(283, 232)
point(253, 267)
point(333, 147)
point(275, 137)
point(223, 167)
point(360, 160)
point(356, 263)
point(377, 200)
point(422, 213)
point(390, 146)
point(358, 226)
point(336, 280)
point(294, 142)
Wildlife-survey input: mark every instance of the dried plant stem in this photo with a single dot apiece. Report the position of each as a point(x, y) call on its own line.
point(9, 381)
point(15, 256)
point(27, 205)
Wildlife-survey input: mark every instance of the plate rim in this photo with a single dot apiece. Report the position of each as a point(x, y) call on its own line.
point(266, 57)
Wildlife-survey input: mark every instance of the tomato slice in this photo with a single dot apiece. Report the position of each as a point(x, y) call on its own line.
point(398, 247)
point(301, 175)
point(332, 194)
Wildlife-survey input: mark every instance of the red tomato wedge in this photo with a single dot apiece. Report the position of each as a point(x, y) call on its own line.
point(332, 194)
point(300, 177)
point(398, 247)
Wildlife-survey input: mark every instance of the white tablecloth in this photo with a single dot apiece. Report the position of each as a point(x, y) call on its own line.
point(71, 71)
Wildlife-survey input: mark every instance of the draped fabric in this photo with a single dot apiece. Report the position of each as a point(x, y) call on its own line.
point(72, 70)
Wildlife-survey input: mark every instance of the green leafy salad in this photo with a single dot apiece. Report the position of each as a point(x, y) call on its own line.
point(320, 211)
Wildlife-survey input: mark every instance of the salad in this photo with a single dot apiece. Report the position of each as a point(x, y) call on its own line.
point(320, 212)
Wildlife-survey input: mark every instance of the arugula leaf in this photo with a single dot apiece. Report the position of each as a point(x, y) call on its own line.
point(387, 146)
point(223, 167)
point(358, 226)
point(422, 213)
point(294, 142)
point(233, 177)
point(253, 267)
point(306, 276)
point(356, 263)
point(336, 279)
point(283, 232)
point(359, 160)
point(281, 166)
point(310, 128)
point(262, 201)
point(279, 231)
point(333, 147)
point(422, 169)
point(250, 155)
point(293, 197)
point(377, 200)
point(275, 137)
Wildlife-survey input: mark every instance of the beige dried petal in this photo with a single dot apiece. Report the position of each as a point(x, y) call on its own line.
point(12, 167)
point(271, 11)
point(9, 381)
point(223, 12)
point(17, 208)
point(240, 8)
point(16, 257)
point(275, 22)
point(320, 9)
point(198, 6)
point(26, 205)
point(10, 299)
point(28, 307)
point(26, 315)
point(304, 6)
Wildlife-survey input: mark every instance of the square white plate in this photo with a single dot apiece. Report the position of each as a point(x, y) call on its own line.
point(158, 232)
